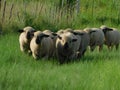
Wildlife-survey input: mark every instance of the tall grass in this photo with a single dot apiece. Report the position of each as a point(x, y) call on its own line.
point(95, 71)
point(46, 14)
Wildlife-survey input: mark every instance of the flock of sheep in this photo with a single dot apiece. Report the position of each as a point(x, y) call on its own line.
point(68, 44)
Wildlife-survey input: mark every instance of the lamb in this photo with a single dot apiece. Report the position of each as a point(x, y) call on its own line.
point(61, 31)
point(41, 45)
point(96, 38)
point(25, 38)
point(67, 46)
point(112, 37)
point(53, 37)
point(85, 40)
point(50, 33)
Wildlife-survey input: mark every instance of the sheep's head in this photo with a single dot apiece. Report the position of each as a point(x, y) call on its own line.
point(68, 30)
point(29, 31)
point(61, 31)
point(67, 40)
point(105, 29)
point(40, 37)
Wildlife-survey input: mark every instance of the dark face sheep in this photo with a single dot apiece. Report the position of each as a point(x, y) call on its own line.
point(67, 41)
point(25, 38)
point(105, 29)
point(85, 40)
point(40, 37)
point(28, 32)
point(67, 45)
point(41, 45)
point(112, 37)
point(96, 38)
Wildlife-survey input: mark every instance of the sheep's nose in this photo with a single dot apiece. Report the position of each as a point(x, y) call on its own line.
point(66, 45)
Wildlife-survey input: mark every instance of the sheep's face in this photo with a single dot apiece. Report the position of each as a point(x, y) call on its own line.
point(106, 30)
point(61, 31)
point(67, 42)
point(40, 37)
point(29, 32)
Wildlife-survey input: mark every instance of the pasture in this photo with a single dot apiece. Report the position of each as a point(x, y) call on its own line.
point(95, 71)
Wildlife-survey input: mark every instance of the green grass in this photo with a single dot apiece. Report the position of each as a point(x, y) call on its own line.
point(45, 15)
point(95, 71)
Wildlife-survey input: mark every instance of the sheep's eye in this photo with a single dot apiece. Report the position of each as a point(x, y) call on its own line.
point(70, 41)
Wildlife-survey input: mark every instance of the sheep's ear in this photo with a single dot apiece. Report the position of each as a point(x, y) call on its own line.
point(20, 30)
point(54, 34)
point(110, 29)
point(81, 34)
point(59, 36)
point(74, 40)
point(75, 33)
point(92, 31)
point(45, 35)
point(38, 40)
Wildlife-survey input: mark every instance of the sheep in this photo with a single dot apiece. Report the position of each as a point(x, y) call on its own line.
point(41, 46)
point(25, 38)
point(54, 37)
point(68, 30)
point(67, 45)
point(112, 37)
point(96, 38)
point(61, 31)
point(85, 40)
point(52, 34)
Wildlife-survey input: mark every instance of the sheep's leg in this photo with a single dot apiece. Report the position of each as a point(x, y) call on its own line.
point(35, 56)
point(79, 55)
point(83, 52)
point(46, 57)
point(117, 46)
point(92, 48)
point(29, 52)
point(100, 47)
point(22, 48)
point(61, 59)
point(112, 47)
point(109, 47)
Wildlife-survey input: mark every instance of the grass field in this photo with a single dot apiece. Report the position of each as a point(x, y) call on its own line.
point(18, 71)
point(95, 71)
point(45, 14)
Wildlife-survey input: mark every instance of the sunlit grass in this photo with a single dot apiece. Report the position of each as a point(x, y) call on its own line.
point(95, 71)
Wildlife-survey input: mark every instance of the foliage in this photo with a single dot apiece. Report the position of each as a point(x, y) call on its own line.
point(46, 15)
